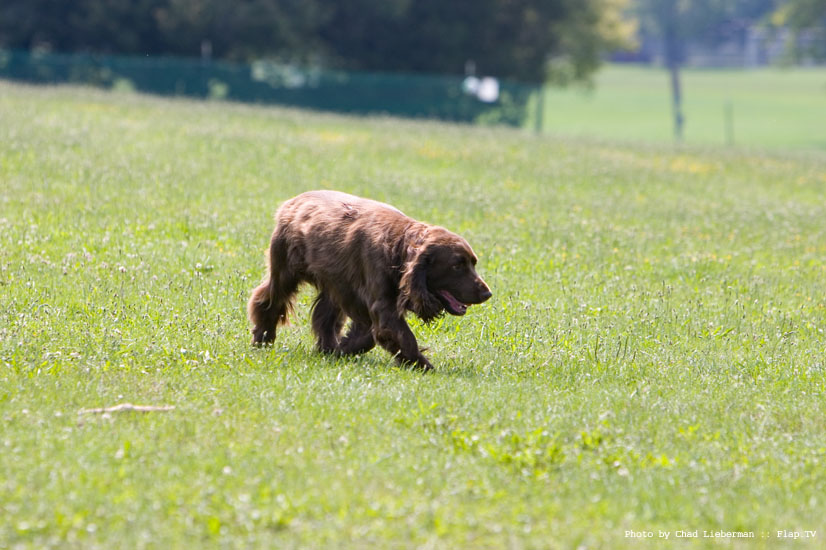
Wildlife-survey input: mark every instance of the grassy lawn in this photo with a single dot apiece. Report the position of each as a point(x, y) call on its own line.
point(652, 358)
point(770, 107)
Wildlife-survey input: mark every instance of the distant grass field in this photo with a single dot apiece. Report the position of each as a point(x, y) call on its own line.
point(770, 107)
point(653, 357)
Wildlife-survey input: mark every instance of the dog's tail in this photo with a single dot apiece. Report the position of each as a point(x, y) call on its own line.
point(272, 301)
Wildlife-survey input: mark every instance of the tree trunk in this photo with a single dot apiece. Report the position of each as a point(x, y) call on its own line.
point(676, 100)
point(673, 58)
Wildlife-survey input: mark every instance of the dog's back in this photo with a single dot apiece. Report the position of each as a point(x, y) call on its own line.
point(320, 210)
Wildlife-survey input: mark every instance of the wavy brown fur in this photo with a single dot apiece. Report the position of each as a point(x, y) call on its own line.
point(370, 263)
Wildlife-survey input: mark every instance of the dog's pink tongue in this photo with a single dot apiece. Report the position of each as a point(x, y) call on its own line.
point(455, 305)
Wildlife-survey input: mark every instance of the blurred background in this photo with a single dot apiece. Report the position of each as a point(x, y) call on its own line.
point(731, 72)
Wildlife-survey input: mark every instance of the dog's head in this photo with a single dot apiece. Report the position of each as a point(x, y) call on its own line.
point(440, 275)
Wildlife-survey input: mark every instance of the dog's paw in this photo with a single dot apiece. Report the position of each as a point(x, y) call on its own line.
point(262, 337)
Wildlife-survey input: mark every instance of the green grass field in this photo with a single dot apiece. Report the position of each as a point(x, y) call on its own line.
point(652, 358)
point(770, 107)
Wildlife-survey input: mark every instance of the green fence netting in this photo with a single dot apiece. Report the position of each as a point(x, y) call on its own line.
point(408, 95)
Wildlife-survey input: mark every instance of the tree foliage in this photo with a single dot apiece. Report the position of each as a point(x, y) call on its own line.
point(804, 16)
point(529, 40)
point(801, 14)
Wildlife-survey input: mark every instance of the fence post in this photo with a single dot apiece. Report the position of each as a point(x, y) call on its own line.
point(539, 123)
point(728, 115)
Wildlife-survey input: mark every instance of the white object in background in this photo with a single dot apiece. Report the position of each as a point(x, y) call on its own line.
point(485, 89)
point(488, 90)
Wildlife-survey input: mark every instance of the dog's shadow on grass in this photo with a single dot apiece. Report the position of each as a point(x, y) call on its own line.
point(374, 361)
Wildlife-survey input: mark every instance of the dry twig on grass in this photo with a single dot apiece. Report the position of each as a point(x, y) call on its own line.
point(128, 407)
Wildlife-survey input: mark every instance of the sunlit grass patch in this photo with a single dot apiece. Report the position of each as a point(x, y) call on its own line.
point(652, 357)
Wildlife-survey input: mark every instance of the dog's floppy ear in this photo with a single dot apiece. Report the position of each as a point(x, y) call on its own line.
point(413, 293)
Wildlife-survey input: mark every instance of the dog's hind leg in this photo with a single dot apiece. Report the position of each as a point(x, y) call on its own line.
point(272, 300)
point(359, 339)
point(328, 320)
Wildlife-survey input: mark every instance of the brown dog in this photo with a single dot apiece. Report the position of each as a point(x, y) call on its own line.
point(370, 263)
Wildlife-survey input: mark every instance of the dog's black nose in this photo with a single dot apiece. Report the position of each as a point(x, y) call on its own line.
point(485, 294)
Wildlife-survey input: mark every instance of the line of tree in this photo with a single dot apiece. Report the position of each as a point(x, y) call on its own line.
point(527, 40)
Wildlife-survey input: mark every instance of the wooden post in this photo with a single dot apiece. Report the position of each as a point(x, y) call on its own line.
point(728, 113)
point(539, 123)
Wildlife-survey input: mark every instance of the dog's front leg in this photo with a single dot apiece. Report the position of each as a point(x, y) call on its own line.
point(359, 339)
point(392, 333)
